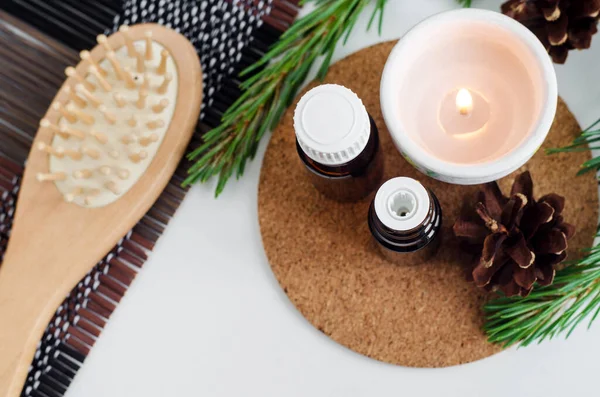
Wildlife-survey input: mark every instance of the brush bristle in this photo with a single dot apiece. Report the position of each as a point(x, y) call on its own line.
point(110, 120)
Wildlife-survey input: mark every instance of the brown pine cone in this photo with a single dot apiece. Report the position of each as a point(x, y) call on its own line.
point(561, 25)
point(516, 241)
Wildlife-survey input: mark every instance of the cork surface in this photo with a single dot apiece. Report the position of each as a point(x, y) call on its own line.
point(325, 260)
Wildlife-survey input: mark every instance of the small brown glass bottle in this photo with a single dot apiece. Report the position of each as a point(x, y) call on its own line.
point(338, 142)
point(405, 219)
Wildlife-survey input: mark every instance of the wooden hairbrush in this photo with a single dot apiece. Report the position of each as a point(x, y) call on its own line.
point(104, 152)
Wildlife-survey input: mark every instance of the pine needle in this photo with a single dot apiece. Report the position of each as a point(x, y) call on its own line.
point(548, 311)
point(268, 93)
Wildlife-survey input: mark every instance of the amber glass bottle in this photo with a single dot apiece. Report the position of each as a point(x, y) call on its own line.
point(405, 219)
point(338, 142)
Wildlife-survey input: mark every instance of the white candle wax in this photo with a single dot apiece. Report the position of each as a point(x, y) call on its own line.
point(506, 73)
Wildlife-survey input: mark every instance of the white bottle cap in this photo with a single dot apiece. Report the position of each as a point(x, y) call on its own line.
point(332, 125)
point(402, 204)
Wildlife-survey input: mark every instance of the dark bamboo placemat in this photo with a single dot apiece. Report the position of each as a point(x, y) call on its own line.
point(31, 71)
point(75, 23)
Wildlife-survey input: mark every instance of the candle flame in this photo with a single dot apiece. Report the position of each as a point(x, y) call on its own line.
point(464, 102)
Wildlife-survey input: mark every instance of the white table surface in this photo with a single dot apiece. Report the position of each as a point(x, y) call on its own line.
point(206, 317)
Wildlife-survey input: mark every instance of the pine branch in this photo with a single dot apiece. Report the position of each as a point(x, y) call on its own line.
point(588, 140)
point(268, 93)
point(465, 3)
point(548, 311)
point(558, 308)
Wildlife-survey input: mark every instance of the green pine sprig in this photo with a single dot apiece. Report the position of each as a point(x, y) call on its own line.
point(465, 3)
point(558, 308)
point(588, 140)
point(548, 311)
point(266, 95)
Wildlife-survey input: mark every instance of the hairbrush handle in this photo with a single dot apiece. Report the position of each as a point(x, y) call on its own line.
point(25, 310)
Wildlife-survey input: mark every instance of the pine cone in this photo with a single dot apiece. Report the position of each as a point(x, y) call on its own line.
point(561, 25)
point(516, 241)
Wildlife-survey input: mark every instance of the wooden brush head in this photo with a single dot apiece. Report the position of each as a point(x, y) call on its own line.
point(110, 118)
point(104, 152)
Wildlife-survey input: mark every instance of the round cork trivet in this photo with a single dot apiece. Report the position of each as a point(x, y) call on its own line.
point(326, 262)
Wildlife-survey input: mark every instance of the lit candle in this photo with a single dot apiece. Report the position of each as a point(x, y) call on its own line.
point(468, 96)
point(463, 113)
point(464, 102)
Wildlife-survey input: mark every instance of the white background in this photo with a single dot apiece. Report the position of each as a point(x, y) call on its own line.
point(206, 317)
